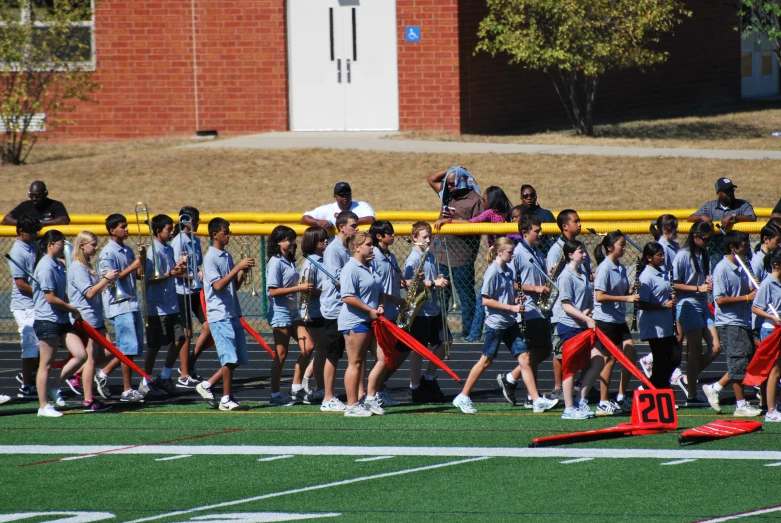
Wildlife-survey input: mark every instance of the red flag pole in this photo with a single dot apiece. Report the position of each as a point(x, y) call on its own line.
point(85, 329)
point(623, 360)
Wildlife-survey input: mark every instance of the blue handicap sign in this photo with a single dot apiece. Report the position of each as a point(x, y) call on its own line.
point(412, 33)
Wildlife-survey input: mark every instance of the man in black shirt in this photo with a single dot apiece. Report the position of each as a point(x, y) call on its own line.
point(49, 212)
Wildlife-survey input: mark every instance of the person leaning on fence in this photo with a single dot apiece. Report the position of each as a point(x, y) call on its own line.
point(23, 253)
point(726, 208)
point(50, 212)
point(460, 198)
point(766, 304)
point(325, 215)
point(569, 225)
point(733, 295)
point(221, 281)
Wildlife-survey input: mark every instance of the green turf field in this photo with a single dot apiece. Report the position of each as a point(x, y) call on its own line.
point(188, 463)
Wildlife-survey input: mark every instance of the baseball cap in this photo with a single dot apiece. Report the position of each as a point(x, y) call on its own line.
point(342, 187)
point(724, 184)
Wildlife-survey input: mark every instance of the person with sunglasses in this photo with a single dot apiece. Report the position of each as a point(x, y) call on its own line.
point(40, 206)
point(529, 200)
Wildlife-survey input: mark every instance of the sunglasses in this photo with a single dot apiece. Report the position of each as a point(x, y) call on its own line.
point(529, 195)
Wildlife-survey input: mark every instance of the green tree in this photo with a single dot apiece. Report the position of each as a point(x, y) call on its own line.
point(762, 18)
point(46, 66)
point(577, 41)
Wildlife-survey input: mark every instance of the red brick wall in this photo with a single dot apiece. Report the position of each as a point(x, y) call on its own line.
point(145, 67)
point(429, 96)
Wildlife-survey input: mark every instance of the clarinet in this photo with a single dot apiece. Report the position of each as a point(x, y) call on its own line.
point(636, 308)
point(522, 299)
point(673, 296)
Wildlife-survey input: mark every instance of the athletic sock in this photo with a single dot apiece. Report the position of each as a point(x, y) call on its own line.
point(102, 375)
point(717, 387)
point(428, 377)
point(369, 398)
point(145, 381)
point(413, 387)
point(165, 374)
point(295, 388)
point(604, 403)
point(510, 379)
point(619, 398)
point(742, 403)
point(225, 399)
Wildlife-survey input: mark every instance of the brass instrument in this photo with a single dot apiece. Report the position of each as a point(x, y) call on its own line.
point(443, 310)
point(142, 207)
point(545, 303)
point(114, 286)
point(413, 300)
point(305, 298)
point(674, 297)
point(453, 292)
point(191, 267)
point(249, 274)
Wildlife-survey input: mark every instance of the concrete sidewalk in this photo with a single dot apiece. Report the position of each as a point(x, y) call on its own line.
point(374, 141)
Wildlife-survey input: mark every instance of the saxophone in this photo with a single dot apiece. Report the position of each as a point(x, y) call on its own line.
point(546, 304)
point(414, 300)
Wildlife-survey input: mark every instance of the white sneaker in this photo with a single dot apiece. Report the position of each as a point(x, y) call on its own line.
point(543, 404)
point(676, 376)
point(574, 413)
point(281, 400)
point(747, 411)
point(204, 388)
point(386, 400)
point(713, 397)
point(48, 411)
point(374, 406)
point(4, 399)
point(583, 406)
point(228, 403)
point(357, 411)
point(773, 416)
point(56, 396)
point(606, 408)
point(308, 385)
point(647, 364)
point(332, 405)
point(464, 403)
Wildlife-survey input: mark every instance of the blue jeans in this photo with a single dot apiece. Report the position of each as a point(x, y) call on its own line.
point(511, 336)
point(129, 332)
point(464, 281)
point(230, 340)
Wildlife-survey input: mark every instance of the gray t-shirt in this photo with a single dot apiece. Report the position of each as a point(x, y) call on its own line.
point(553, 257)
point(671, 248)
point(498, 285)
point(769, 293)
point(361, 282)
point(224, 304)
point(24, 255)
point(316, 279)
point(729, 280)
point(757, 266)
point(387, 268)
point(80, 281)
point(430, 307)
point(684, 272)
point(161, 295)
point(611, 279)
point(119, 257)
point(181, 245)
point(716, 212)
point(655, 289)
point(334, 258)
point(575, 288)
point(524, 271)
point(282, 273)
point(51, 276)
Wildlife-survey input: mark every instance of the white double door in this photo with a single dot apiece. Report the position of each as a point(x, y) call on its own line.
point(343, 70)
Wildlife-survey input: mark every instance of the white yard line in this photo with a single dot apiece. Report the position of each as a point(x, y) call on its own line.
point(678, 462)
point(773, 464)
point(274, 458)
point(374, 458)
point(180, 456)
point(576, 460)
point(307, 489)
point(742, 515)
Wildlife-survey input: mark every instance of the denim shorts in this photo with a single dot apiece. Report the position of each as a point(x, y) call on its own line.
point(280, 317)
point(361, 327)
point(765, 332)
point(47, 330)
point(129, 332)
point(511, 336)
point(230, 341)
point(693, 316)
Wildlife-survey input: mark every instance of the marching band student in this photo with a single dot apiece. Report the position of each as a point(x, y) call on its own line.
point(221, 280)
point(85, 286)
point(335, 257)
point(282, 288)
point(575, 296)
point(655, 318)
point(537, 333)
point(692, 284)
point(188, 289)
point(361, 292)
point(165, 323)
point(313, 245)
point(23, 253)
point(769, 238)
point(501, 308)
point(427, 325)
point(733, 296)
point(125, 315)
point(569, 225)
point(52, 325)
point(769, 298)
point(612, 292)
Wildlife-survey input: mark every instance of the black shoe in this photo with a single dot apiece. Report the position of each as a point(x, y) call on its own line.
point(508, 389)
point(418, 395)
point(432, 390)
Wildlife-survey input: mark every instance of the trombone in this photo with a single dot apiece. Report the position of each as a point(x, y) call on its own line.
point(242, 255)
point(191, 267)
point(142, 207)
point(453, 292)
point(114, 286)
point(443, 308)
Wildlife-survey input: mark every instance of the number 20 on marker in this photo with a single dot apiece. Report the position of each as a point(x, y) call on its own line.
point(655, 406)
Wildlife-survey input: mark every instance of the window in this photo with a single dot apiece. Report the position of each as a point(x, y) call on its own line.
point(746, 63)
point(767, 63)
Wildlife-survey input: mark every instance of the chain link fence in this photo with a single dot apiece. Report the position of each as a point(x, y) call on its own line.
point(467, 264)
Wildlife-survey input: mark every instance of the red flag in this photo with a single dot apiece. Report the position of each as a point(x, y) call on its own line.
point(623, 429)
point(387, 342)
point(252, 332)
point(763, 360)
point(719, 429)
point(85, 329)
point(575, 353)
point(393, 331)
point(623, 360)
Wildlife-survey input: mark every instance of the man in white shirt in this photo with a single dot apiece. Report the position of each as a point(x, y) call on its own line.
point(325, 215)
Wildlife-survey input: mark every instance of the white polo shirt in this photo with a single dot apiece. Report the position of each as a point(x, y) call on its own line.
point(329, 211)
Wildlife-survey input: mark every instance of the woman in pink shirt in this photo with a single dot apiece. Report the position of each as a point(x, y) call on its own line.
point(497, 210)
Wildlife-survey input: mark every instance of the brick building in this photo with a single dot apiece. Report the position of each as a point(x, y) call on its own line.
point(247, 66)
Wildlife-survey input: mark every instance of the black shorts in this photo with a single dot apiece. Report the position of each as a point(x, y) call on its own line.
point(428, 330)
point(316, 323)
point(164, 330)
point(334, 339)
point(538, 335)
point(616, 332)
point(47, 330)
point(197, 311)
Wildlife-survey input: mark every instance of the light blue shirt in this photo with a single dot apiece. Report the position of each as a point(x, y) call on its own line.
point(553, 256)
point(334, 258)
point(430, 307)
point(161, 296)
point(684, 272)
point(358, 281)
point(51, 277)
point(387, 268)
point(224, 304)
point(671, 248)
point(80, 281)
point(119, 257)
point(498, 285)
point(769, 293)
point(757, 266)
point(181, 245)
point(611, 279)
point(528, 276)
point(729, 280)
point(573, 287)
point(317, 279)
point(655, 289)
point(282, 273)
point(24, 255)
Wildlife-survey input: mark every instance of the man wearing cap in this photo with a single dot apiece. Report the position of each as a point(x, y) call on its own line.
point(325, 215)
point(40, 206)
point(726, 209)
